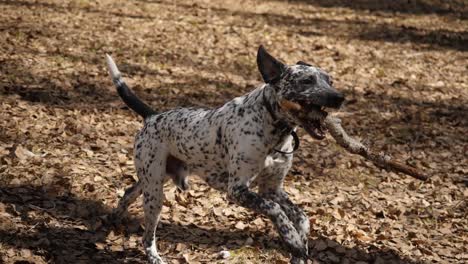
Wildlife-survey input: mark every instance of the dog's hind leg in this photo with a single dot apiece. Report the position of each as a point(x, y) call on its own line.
point(175, 168)
point(131, 194)
point(152, 177)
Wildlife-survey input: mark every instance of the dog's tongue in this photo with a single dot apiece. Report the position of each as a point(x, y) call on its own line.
point(318, 133)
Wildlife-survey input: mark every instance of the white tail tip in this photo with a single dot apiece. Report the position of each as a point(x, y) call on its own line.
point(113, 70)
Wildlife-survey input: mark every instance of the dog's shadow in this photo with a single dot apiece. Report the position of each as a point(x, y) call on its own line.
point(67, 229)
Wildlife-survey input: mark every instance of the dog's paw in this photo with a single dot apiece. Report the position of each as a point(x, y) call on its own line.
point(157, 260)
point(183, 185)
point(154, 258)
point(112, 219)
point(293, 241)
point(181, 182)
point(296, 260)
point(290, 236)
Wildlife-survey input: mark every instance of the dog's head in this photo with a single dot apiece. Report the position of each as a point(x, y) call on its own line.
point(302, 90)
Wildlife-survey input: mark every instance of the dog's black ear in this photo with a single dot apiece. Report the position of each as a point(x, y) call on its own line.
point(303, 63)
point(270, 68)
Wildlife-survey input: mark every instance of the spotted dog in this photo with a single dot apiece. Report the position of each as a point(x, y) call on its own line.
point(246, 142)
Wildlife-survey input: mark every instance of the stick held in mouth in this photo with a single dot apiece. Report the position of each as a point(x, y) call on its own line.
point(381, 160)
point(289, 105)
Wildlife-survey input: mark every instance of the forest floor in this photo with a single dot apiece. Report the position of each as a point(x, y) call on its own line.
point(66, 137)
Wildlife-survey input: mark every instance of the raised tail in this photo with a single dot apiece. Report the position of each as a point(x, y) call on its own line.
point(130, 99)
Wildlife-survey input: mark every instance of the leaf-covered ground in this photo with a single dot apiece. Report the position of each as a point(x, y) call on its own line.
point(66, 138)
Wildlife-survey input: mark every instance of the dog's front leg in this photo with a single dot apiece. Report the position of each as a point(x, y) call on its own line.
point(295, 214)
point(270, 185)
point(239, 193)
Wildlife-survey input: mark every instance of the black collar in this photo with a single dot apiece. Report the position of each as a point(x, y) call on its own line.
point(282, 125)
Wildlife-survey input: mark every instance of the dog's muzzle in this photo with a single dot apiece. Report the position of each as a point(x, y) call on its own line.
point(332, 99)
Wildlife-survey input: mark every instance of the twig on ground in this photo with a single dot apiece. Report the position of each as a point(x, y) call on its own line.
point(381, 160)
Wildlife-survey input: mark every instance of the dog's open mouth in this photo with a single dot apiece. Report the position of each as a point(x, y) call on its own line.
point(310, 116)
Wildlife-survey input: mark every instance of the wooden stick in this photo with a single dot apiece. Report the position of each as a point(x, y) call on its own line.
point(381, 160)
point(290, 105)
point(352, 145)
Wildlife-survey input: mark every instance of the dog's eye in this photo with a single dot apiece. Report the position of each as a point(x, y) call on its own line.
point(309, 80)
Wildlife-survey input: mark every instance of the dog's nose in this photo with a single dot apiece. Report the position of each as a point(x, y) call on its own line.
point(335, 100)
